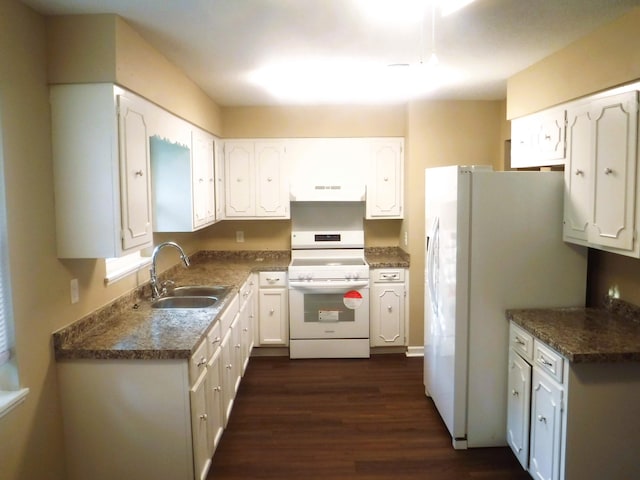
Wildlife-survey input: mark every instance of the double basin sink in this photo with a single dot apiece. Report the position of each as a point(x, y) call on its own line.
point(192, 296)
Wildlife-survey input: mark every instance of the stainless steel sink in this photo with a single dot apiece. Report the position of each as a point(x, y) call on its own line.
point(185, 302)
point(199, 291)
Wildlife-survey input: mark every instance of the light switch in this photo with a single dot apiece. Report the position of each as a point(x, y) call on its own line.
point(239, 236)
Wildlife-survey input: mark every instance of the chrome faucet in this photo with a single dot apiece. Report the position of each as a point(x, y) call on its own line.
point(160, 290)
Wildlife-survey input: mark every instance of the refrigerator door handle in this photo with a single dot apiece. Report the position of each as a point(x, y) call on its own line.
point(433, 244)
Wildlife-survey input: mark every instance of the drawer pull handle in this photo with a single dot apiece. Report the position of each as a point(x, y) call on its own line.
point(515, 393)
point(201, 362)
point(519, 341)
point(138, 173)
point(542, 419)
point(545, 362)
point(579, 172)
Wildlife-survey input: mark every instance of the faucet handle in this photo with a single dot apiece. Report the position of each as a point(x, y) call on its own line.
point(168, 286)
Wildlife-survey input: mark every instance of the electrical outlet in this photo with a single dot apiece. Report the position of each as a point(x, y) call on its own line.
point(239, 236)
point(75, 291)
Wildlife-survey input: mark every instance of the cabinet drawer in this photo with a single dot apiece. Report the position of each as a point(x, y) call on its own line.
point(392, 275)
point(548, 360)
point(521, 341)
point(273, 279)
point(198, 362)
point(214, 338)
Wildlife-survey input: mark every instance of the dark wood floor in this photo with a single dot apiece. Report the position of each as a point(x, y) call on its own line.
point(363, 419)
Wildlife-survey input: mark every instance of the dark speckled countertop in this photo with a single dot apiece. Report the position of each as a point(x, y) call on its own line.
point(610, 334)
point(129, 328)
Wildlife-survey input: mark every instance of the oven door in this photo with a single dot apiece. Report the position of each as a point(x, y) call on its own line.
point(322, 310)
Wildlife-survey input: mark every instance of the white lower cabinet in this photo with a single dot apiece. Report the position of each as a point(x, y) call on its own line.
point(546, 426)
point(387, 309)
point(577, 420)
point(518, 407)
point(273, 309)
point(160, 419)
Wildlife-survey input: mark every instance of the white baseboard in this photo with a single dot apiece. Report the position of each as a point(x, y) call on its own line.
point(417, 351)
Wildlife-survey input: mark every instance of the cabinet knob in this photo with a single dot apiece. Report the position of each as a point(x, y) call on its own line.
point(386, 179)
point(547, 137)
point(245, 329)
point(229, 366)
point(579, 172)
point(608, 171)
point(269, 179)
point(542, 419)
point(515, 393)
point(218, 388)
point(389, 308)
point(237, 345)
point(201, 362)
point(138, 173)
point(238, 179)
point(272, 311)
point(203, 416)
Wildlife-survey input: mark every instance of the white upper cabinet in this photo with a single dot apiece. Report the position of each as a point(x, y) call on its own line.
point(385, 186)
point(539, 139)
point(600, 176)
point(182, 177)
point(100, 140)
point(256, 179)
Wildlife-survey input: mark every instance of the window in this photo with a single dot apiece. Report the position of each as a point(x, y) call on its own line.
point(120, 267)
point(10, 393)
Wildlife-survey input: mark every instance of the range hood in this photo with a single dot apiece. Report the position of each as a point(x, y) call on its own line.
point(327, 193)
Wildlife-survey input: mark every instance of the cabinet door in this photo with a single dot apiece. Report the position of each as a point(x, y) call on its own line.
point(203, 180)
point(135, 185)
point(550, 136)
point(199, 421)
point(236, 341)
point(578, 176)
point(614, 162)
point(273, 316)
point(215, 401)
point(228, 376)
point(546, 424)
point(385, 185)
point(240, 196)
point(518, 407)
point(272, 187)
point(219, 180)
point(387, 315)
point(246, 332)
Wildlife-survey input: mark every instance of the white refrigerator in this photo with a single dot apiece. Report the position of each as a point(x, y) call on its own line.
point(493, 242)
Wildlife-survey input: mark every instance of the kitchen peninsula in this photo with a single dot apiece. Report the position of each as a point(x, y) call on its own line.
point(574, 384)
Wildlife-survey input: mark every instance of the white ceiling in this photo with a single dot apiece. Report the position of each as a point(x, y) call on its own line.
point(218, 42)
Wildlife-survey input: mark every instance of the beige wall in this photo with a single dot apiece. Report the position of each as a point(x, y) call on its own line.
point(608, 57)
point(30, 436)
point(31, 442)
point(444, 133)
point(104, 48)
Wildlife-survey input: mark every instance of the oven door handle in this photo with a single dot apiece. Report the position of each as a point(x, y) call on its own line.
point(304, 285)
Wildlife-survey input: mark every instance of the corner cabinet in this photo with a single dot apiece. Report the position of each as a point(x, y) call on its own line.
point(385, 185)
point(388, 307)
point(601, 203)
point(256, 181)
point(100, 141)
